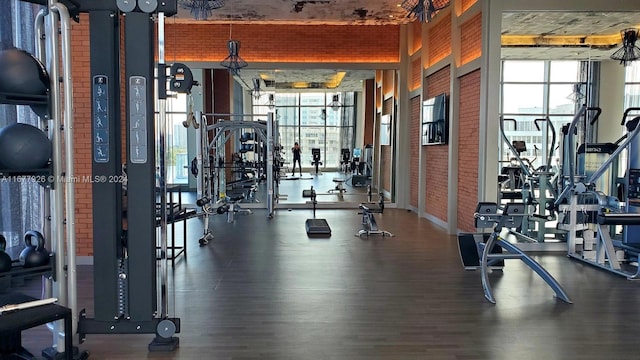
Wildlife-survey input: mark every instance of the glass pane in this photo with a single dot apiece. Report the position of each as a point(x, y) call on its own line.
point(565, 71)
point(632, 96)
point(348, 99)
point(312, 116)
point(312, 99)
point(287, 116)
point(177, 161)
point(522, 99)
point(286, 99)
point(332, 157)
point(177, 104)
point(288, 136)
point(633, 72)
point(311, 137)
point(559, 102)
point(523, 71)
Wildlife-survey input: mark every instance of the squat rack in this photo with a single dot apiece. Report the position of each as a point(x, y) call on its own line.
point(212, 137)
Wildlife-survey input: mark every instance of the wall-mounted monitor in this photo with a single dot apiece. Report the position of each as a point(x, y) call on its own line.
point(435, 120)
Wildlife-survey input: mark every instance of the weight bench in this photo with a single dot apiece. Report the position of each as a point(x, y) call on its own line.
point(369, 224)
point(231, 207)
point(339, 186)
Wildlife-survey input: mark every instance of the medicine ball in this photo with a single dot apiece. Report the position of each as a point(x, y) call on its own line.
point(23, 147)
point(5, 259)
point(22, 73)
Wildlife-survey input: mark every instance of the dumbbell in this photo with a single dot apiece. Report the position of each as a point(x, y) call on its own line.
point(5, 259)
point(34, 255)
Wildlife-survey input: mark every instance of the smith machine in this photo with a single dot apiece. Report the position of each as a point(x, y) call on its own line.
point(130, 290)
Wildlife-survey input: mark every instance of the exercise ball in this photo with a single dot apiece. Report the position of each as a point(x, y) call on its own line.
point(22, 73)
point(23, 147)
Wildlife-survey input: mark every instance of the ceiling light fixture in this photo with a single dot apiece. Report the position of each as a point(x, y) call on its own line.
point(424, 10)
point(629, 51)
point(201, 9)
point(576, 96)
point(233, 62)
point(335, 103)
point(256, 91)
point(272, 102)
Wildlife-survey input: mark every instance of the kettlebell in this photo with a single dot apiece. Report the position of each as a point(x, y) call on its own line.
point(5, 259)
point(34, 255)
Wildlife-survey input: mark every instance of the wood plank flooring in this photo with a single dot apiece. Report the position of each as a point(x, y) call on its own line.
point(263, 290)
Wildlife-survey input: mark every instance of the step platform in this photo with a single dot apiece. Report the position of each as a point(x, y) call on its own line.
point(470, 251)
point(318, 228)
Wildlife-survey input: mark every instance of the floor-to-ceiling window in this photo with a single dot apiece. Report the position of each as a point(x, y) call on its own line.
point(177, 156)
point(311, 120)
point(535, 90)
point(632, 85)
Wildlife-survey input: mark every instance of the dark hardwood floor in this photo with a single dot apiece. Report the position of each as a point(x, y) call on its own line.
point(264, 290)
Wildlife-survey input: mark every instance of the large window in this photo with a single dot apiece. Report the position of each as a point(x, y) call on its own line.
point(177, 156)
point(534, 90)
point(308, 119)
point(632, 85)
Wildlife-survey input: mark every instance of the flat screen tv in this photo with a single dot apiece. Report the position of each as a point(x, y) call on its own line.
point(435, 120)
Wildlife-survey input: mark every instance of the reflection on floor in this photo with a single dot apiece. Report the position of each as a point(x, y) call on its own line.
point(325, 185)
point(263, 290)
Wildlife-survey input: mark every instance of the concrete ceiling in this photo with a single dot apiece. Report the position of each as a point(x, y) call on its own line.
point(565, 35)
point(370, 12)
point(537, 35)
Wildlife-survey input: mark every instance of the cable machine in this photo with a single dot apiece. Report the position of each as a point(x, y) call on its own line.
point(213, 135)
point(130, 290)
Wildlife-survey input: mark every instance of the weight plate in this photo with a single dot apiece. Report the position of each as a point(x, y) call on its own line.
point(148, 6)
point(126, 5)
point(166, 329)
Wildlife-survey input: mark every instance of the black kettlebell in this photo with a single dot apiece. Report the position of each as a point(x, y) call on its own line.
point(34, 255)
point(5, 259)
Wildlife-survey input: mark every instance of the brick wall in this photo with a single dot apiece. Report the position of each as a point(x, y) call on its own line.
point(416, 74)
point(414, 151)
point(388, 84)
point(437, 156)
point(466, 4)
point(369, 111)
point(385, 155)
point(468, 144)
point(471, 39)
point(439, 40)
point(82, 127)
point(416, 37)
point(284, 43)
